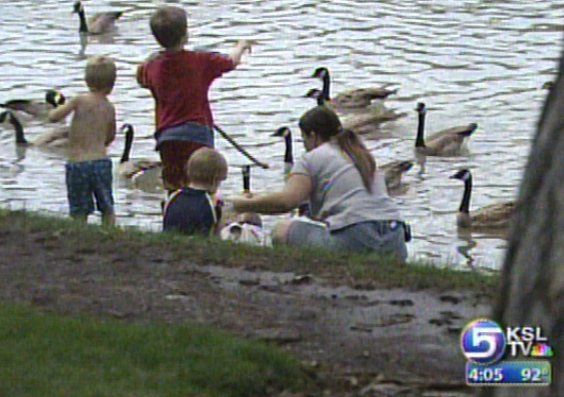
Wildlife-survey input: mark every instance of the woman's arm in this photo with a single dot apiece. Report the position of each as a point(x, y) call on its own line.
point(60, 112)
point(297, 189)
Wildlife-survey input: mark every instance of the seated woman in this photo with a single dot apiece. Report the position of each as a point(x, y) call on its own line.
point(347, 194)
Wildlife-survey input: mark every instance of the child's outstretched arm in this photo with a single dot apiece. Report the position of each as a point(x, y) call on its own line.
point(239, 49)
point(63, 111)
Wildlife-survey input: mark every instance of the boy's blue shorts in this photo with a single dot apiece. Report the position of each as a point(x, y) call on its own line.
point(88, 179)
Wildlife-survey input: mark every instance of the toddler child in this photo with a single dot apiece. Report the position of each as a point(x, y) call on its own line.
point(191, 210)
point(92, 129)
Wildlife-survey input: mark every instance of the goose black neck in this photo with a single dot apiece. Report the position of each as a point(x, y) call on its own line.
point(288, 153)
point(326, 88)
point(246, 178)
point(20, 137)
point(127, 147)
point(420, 140)
point(465, 203)
point(83, 26)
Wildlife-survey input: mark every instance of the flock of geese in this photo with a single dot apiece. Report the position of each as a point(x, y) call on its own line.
point(362, 117)
point(362, 111)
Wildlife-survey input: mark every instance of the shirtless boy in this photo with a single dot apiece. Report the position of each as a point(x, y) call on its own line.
point(93, 128)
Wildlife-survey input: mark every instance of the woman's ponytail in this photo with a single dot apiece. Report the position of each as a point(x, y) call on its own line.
point(362, 159)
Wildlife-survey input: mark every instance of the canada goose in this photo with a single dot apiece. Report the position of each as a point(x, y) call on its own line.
point(361, 123)
point(57, 138)
point(34, 108)
point(393, 172)
point(351, 99)
point(303, 209)
point(102, 22)
point(288, 152)
point(132, 169)
point(494, 216)
point(444, 143)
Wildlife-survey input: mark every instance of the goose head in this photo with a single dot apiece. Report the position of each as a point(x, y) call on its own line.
point(55, 98)
point(320, 73)
point(316, 94)
point(463, 175)
point(282, 132)
point(78, 8)
point(127, 129)
point(421, 108)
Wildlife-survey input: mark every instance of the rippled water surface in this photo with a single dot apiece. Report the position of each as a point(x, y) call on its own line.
point(470, 61)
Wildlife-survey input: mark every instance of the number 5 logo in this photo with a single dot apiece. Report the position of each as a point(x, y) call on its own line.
point(483, 341)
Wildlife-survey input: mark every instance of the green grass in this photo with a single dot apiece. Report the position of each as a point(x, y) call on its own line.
point(342, 268)
point(43, 354)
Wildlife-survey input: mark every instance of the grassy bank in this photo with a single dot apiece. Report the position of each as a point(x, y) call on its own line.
point(51, 355)
point(360, 270)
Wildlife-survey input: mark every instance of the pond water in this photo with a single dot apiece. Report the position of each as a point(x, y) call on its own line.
point(469, 60)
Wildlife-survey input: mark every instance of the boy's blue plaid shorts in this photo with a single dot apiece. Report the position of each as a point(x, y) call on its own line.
point(87, 180)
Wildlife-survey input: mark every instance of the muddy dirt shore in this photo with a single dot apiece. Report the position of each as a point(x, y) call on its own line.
point(361, 340)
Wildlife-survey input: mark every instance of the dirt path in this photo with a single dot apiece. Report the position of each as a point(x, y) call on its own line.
point(372, 342)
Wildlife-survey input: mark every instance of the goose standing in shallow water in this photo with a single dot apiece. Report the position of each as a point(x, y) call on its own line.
point(494, 216)
point(361, 123)
point(36, 109)
point(351, 99)
point(133, 169)
point(100, 23)
point(444, 143)
point(56, 139)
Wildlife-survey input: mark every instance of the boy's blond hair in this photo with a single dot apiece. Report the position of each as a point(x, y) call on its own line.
point(100, 73)
point(206, 166)
point(169, 26)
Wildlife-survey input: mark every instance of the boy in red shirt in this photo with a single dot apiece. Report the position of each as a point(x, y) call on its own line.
point(179, 81)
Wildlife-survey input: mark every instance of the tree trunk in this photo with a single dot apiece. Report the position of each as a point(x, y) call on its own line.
point(532, 289)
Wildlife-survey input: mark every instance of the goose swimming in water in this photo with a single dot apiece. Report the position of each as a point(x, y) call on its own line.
point(36, 109)
point(133, 169)
point(448, 142)
point(351, 99)
point(494, 216)
point(100, 23)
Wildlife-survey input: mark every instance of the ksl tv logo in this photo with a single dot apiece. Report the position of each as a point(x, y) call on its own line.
point(484, 342)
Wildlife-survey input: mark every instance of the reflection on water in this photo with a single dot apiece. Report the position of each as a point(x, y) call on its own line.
point(470, 61)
